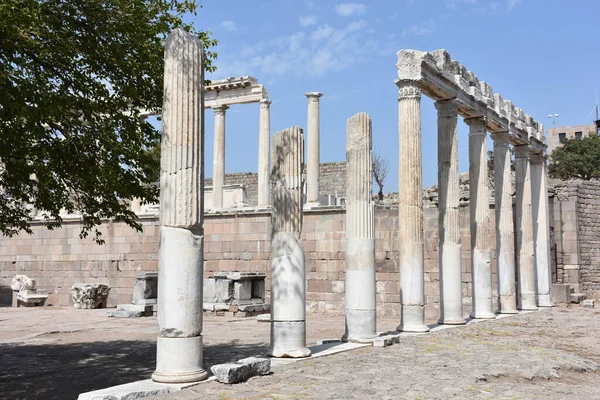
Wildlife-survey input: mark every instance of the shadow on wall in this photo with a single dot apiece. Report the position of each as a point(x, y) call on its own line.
point(55, 371)
point(5, 296)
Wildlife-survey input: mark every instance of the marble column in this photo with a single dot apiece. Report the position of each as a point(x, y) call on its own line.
point(180, 257)
point(479, 209)
point(410, 209)
point(541, 229)
point(264, 152)
point(360, 232)
point(505, 234)
point(313, 155)
point(288, 290)
point(219, 156)
point(525, 254)
point(449, 229)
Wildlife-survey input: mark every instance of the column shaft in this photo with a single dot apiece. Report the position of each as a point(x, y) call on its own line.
point(479, 209)
point(360, 232)
point(541, 229)
point(505, 235)
point(313, 154)
point(525, 252)
point(449, 229)
point(264, 152)
point(410, 209)
point(219, 156)
point(180, 256)
point(288, 290)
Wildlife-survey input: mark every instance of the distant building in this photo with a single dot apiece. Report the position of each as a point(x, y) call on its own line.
point(558, 135)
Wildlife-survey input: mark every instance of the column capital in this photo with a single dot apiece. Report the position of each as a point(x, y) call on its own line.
point(501, 138)
point(476, 121)
point(447, 108)
point(538, 158)
point(220, 110)
point(265, 104)
point(522, 151)
point(408, 88)
point(313, 97)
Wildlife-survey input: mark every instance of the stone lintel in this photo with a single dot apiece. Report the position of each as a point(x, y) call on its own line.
point(441, 78)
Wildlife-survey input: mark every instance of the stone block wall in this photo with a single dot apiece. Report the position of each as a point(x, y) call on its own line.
point(588, 222)
point(332, 180)
point(57, 259)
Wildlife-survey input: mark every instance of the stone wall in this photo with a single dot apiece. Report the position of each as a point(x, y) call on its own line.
point(332, 177)
point(233, 242)
point(588, 222)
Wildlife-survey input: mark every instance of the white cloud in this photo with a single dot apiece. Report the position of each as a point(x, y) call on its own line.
point(426, 27)
point(512, 3)
point(307, 20)
point(229, 26)
point(328, 49)
point(349, 9)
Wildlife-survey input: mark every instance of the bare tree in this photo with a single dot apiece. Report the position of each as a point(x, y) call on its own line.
point(380, 170)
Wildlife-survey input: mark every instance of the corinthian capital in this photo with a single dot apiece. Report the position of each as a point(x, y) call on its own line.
point(220, 110)
point(265, 104)
point(408, 88)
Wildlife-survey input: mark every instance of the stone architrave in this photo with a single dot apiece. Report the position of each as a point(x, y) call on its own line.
point(448, 200)
point(314, 146)
point(219, 156)
point(410, 209)
point(525, 253)
point(181, 236)
point(360, 233)
point(541, 229)
point(264, 152)
point(288, 284)
point(505, 234)
point(479, 206)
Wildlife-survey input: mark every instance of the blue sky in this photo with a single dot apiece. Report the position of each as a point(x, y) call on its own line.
point(541, 54)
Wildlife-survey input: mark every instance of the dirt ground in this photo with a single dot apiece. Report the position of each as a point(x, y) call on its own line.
point(57, 353)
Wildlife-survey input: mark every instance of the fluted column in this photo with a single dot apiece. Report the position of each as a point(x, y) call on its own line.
point(449, 229)
point(410, 209)
point(360, 232)
point(219, 156)
point(479, 208)
point(180, 257)
point(313, 154)
point(525, 253)
point(288, 291)
point(541, 229)
point(264, 152)
point(505, 234)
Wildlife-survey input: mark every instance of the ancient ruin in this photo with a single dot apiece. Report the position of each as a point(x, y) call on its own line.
point(361, 314)
point(288, 287)
point(180, 252)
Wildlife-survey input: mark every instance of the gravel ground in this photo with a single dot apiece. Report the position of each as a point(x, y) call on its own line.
point(57, 353)
point(551, 354)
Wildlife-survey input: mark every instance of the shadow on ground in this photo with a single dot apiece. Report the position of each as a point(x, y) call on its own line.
point(62, 371)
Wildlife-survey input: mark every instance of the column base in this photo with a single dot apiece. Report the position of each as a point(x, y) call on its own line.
point(413, 319)
point(179, 360)
point(288, 339)
point(360, 326)
point(545, 300)
point(507, 305)
point(452, 322)
point(483, 316)
point(528, 302)
point(508, 311)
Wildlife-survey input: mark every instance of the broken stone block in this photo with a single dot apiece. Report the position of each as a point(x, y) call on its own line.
point(89, 295)
point(577, 297)
point(242, 370)
point(31, 298)
point(242, 290)
point(218, 290)
point(131, 311)
point(588, 303)
point(22, 282)
point(145, 287)
point(561, 293)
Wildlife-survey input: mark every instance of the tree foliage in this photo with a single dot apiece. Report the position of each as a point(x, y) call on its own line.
point(576, 159)
point(73, 77)
point(381, 168)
